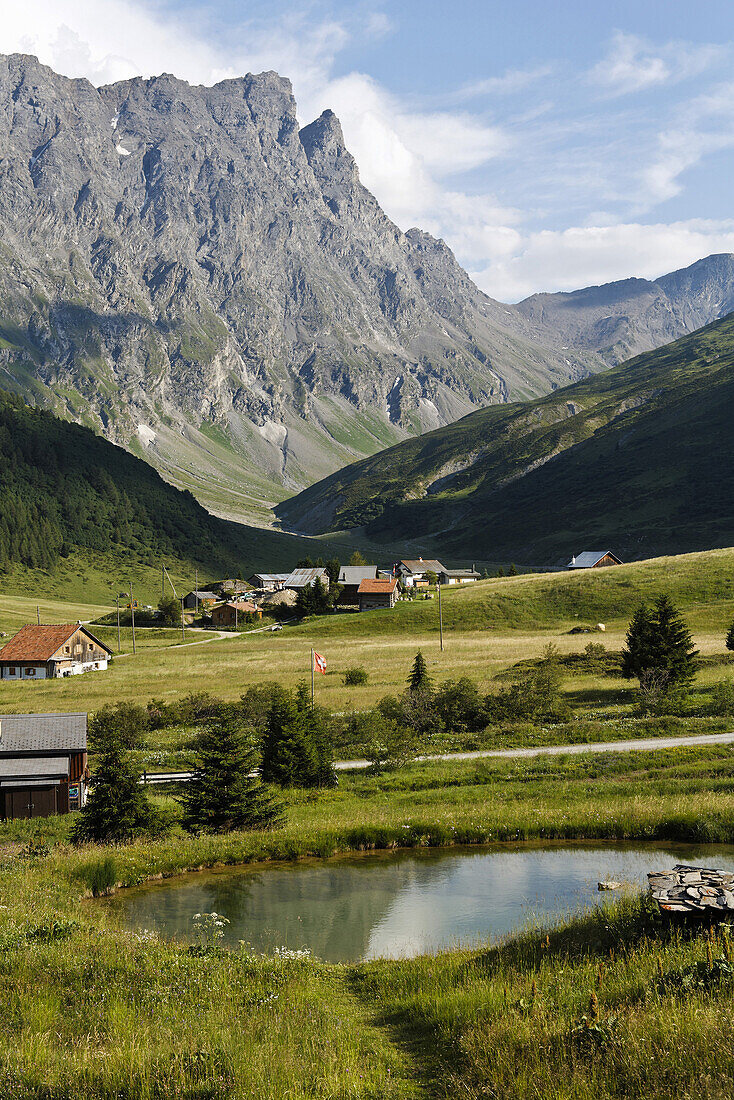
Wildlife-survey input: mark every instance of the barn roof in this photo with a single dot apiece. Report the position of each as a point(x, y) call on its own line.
point(20, 733)
point(39, 643)
point(589, 559)
point(355, 574)
point(300, 578)
point(422, 565)
point(34, 767)
point(373, 586)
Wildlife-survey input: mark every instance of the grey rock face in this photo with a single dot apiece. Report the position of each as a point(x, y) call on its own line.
point(184, 270)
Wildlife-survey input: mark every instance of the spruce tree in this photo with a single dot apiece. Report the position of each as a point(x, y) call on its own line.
point(659, 641)
point(419, 680)
point(118, 807)
point(224, 793)
point(296, 749)
point(730, 637)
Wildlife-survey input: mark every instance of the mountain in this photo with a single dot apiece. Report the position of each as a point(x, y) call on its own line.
point(187, 272)
point(635, 460)
point(622, 319)
point(66, 491)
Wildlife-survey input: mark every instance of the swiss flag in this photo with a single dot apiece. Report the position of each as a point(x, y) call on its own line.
point(319, 663)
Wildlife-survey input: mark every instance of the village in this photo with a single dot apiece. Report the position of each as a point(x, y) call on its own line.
point(44, 767)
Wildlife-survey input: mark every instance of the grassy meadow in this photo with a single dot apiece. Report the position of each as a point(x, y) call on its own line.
point(488, 627)
point(612, 1004)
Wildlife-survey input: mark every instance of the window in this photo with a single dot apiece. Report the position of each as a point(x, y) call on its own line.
point(11, 670)
point(67, 649)
point(30, 672)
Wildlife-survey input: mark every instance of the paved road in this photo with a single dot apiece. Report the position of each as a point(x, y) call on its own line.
point(645, 744)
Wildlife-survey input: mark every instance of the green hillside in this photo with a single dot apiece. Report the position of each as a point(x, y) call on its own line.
point(76, 510)
point(635, 459)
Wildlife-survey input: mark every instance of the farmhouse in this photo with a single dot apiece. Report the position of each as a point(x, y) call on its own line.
point(233, 612)
point(43, 764)
point(47, 652)
point(413, 571)
point(378, 594)
point(458, 576)
point(199, 598)
point(350, 578)
point(302, 578)
point(593, 559)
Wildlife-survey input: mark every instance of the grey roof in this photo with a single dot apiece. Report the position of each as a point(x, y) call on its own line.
point(355, 574)
point(589, 558)
point(268, 577)
point(422, 565)
point(34, 767)
point(21, 733)
point(460, 572)
point(299, 578)
point(201, 594)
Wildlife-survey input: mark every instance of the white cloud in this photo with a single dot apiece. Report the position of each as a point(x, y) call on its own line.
point(632, 64)
point(588, 255)
point(511, 82)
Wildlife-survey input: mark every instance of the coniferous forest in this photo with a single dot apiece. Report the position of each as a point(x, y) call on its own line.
point(63, 487)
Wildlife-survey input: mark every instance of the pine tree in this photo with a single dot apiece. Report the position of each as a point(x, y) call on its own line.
point(730, 637)
point(419, 680)
point(224, 794)
point(118, 807)
point(297, 750)
point(658, 641)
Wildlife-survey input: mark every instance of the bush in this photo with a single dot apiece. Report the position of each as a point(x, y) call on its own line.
point(722, 698)
point(355, 676)
point(123, 723)
point(169, 611)
point(459, 706)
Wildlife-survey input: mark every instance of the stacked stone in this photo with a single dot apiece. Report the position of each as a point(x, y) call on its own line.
point(688, 889)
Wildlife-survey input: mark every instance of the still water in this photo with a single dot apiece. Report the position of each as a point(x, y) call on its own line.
point(402, 904)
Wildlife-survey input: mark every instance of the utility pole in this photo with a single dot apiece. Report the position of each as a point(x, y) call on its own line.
point(183, 627)
point(196, 587)
point(117, 601)
point(312, 680)
point(132, 613)
point(38, 614)
point(163, 581)
point(440, 615)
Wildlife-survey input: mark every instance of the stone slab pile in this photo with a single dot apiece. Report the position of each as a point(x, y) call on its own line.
point(693, 890)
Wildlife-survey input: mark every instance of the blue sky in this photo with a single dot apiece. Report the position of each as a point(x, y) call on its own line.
point(552, 145)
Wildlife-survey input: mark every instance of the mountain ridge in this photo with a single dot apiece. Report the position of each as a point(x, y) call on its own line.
point(633, 459)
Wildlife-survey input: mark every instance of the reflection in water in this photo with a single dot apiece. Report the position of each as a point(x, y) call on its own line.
point(401, 904)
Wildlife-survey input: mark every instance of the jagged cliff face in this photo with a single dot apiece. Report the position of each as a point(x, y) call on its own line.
point(185, 270)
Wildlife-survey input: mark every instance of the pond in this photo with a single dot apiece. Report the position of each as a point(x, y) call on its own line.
point(400, 904)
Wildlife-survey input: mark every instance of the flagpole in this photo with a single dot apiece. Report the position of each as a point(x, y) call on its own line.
point(312, 663)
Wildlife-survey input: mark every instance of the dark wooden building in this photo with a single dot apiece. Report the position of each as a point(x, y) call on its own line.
point(594, 559)
point(378, 594)
point(43, 764)
point(350, 578)
point(233, 613)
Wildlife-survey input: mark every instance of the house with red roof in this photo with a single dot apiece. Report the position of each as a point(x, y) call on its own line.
point(48, 652)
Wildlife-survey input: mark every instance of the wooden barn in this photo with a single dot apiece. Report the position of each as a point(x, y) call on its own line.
point(594, 559)
point(43, 764)
point(47, 652)
point(233, 613)
point(380, 594)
